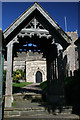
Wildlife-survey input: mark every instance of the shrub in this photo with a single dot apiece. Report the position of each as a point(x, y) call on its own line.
point(43, 86)
point(17, 75)
point(72, 88)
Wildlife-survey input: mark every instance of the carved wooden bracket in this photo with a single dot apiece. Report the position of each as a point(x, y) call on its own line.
point(34, 27)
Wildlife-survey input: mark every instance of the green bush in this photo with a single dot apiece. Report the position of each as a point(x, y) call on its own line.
point(43, 86)
point(17, 75)
point(72, 88)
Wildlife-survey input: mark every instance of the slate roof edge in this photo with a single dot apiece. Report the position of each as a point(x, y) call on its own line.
point(35, 4)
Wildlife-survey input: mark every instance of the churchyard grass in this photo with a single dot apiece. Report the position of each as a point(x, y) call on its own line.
point(18, 86)
point(22, 84)
point(43, 85)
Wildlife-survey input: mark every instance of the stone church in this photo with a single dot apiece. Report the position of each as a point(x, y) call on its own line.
point(34, 64)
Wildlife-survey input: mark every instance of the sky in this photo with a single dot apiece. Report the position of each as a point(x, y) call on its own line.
point(57, 10)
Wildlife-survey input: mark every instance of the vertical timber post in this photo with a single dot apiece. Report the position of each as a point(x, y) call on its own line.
point(8, 96)
point(61, 76)
point(55, 76)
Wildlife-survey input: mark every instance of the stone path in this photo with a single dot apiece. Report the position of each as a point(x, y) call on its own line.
point(32, 88)
point(29, 105)
point(46, 117)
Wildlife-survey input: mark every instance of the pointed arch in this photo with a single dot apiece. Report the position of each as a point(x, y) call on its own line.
point(38, 77)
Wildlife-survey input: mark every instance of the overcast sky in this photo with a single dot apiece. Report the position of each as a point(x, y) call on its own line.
point(57, 10)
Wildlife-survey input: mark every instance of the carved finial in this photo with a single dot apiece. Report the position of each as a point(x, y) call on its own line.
point(36, 4)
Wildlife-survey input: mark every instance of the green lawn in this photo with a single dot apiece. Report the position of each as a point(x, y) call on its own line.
point(22, 84)
point(43, 86)
point(18, 86)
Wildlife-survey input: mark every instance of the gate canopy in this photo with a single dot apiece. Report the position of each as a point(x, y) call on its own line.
point(34, 15)
point(35, 29)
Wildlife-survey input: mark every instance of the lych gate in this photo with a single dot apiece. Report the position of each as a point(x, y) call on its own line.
point(37, 28)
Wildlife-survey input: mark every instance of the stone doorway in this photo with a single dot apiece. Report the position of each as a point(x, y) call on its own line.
point(38, 77)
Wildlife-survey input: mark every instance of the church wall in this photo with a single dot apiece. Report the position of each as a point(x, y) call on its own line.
point(16, 65)
point(32, 67)
point(72, 54)
point(71, 59)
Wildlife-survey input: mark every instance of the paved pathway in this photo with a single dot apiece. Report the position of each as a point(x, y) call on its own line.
point(28, 106)
point(32, 88)
point(45, 117)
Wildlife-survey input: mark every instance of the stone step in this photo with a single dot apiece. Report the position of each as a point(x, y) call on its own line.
point(38, 115)
point(34, 111)
point(24, 113)
point(24, 109)
point(32, 97)
point(27, 94)
point(39, 118)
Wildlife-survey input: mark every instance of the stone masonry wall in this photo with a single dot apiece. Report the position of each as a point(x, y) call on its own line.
point(32, 67)
point(16, 65)
point(72, 54)
point(30, 63)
